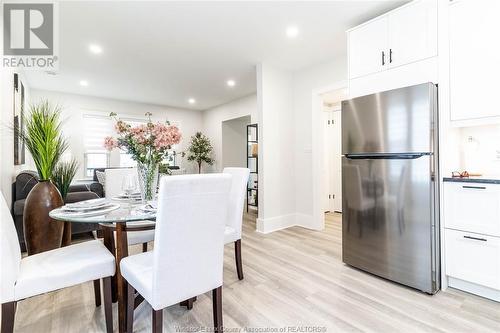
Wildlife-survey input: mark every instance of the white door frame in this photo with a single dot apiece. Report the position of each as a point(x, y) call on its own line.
point(317, 152)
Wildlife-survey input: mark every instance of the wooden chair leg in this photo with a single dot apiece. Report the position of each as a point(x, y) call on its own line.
point(108, 304)
point(237, 255)
point(97, 292)
point(8, 317)
point(144, 247)
point(130, 307)
point(157, 321)
point(188, 303)
point(217, 309)
point(109, 242)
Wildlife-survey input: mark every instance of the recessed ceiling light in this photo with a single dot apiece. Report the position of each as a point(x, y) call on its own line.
point(84, 83)
point(230, 83)
point(94, 48)
point(292, 31)
point(191, 101)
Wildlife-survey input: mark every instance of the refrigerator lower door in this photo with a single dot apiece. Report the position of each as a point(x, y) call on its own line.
point(388, 219)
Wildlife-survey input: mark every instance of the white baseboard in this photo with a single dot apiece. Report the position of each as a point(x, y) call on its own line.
point(309, 222)
point(474, 288)
point(276, 223)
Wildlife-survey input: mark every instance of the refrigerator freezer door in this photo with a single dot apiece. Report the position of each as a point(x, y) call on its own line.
point(394, 121)
point(387, 221)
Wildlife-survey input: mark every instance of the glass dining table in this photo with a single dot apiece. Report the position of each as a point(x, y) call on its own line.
point(121, 220)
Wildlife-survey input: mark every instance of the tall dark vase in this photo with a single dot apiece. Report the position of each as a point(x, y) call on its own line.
point(41, 232)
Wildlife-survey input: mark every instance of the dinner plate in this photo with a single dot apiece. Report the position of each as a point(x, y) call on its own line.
point(88, 203)
point(125, 198)
point(104, 205)
point(94, 212)
point(148, 208)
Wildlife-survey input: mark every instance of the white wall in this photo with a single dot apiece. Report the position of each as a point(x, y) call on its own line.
point(276, 149)
point(307, 118)
point(75, 106)
point(8, 170)
point(234, 142)
point(212, 123)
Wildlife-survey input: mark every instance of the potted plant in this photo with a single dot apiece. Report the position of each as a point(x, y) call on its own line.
point(200, 150)
point(43, 139)
point(148, 144)
point(62, 176)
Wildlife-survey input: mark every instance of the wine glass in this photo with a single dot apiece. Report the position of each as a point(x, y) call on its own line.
point(129, 184)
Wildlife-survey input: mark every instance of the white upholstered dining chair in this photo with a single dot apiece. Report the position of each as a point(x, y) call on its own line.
point(187, 259)
point(232, 232)
point(21, 278)
point(114, 179)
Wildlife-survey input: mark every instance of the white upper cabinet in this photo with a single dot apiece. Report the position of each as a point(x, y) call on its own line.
point(474, 59)
point(367, 48)
point(402, 36)
point(413, 33)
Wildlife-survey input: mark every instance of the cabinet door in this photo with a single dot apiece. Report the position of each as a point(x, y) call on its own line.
point(366, 44)
point(473, 257)
point(413, 33)
point(472, 207)
point(474, 59)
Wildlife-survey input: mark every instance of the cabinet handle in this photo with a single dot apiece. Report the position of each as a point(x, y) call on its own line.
point(475, 187)
point(475, 238)
point(383, 58)
point(390, 55)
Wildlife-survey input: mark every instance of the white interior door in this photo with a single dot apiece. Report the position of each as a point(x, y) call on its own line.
point(326, 161)
point(336, 158)
point(332, 162)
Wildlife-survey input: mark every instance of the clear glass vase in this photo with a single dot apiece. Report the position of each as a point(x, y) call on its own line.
point(148, 180)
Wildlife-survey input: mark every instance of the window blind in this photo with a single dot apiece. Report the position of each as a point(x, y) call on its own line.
point(96, 128)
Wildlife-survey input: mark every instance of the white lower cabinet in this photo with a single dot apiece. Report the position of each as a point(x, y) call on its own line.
point(471, 237)
point(473, 207)
point(473, 257)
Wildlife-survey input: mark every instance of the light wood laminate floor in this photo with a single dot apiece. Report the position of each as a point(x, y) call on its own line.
point(293, 277)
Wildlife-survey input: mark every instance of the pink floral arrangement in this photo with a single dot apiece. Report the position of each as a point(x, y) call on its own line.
point(146, 143)
point(110, 143)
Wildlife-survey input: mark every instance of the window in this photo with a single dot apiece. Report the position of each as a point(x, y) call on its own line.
point(96, 128)
point(95, 160)
point(126, 160)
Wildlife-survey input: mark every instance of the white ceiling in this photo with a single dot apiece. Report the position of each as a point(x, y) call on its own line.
point(166, 52)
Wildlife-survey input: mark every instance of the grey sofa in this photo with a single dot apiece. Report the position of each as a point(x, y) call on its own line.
point(26, 180)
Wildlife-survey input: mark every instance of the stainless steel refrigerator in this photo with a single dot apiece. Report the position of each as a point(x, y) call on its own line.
point(390, 222)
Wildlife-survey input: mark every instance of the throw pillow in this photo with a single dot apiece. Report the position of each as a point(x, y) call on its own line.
point(101, 178)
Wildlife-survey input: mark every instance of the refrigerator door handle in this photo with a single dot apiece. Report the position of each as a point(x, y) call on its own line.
point(383, 156)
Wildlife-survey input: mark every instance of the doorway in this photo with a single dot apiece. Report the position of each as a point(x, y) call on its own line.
point(234, 142)
point(332, 149)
